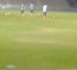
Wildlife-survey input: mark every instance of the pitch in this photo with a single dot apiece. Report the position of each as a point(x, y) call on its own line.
point(31, 43)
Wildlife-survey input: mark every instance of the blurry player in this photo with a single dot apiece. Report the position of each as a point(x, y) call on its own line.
point(22, 9)
point(44, 11)
point(31, 9)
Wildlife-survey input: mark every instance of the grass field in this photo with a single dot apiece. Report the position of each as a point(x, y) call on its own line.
point(31, 43)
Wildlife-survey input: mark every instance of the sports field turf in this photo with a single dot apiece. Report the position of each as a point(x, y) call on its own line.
point(31, 43)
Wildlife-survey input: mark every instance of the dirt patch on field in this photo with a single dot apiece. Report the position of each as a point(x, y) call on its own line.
point(44, 30)
point(57, 30)
point(43, 41)
point(31, 37)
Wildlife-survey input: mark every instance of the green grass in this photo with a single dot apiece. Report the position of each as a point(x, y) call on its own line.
point(33, 43)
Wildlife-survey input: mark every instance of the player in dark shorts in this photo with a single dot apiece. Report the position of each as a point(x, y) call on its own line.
point(22, 9)
point(31, 9)
point(44, 11)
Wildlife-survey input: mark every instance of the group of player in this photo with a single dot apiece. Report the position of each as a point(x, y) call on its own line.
point(31, 8)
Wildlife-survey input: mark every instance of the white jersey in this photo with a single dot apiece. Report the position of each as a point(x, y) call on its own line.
point(22, 7)
point(31, 6)
point(44, 8)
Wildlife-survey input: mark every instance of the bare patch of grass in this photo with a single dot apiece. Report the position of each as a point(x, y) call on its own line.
point(43, 41)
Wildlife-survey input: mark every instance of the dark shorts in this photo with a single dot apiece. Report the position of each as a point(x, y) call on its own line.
point(22, 11)
point(31, 11)
point(44, 13)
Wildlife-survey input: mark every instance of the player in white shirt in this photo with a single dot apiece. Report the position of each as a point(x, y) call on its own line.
point(22, 9)
point(44, 11)
point(31, 9)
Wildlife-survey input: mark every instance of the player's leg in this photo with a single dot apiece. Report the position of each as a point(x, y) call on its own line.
point(22, 12)
point(31, 12)
point(44, 15)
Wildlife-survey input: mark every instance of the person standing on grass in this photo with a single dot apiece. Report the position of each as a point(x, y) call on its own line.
point(22, 9)
point(44, 11)
point(31, 7)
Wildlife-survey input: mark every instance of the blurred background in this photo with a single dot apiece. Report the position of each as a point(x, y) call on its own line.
point(53, 5)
